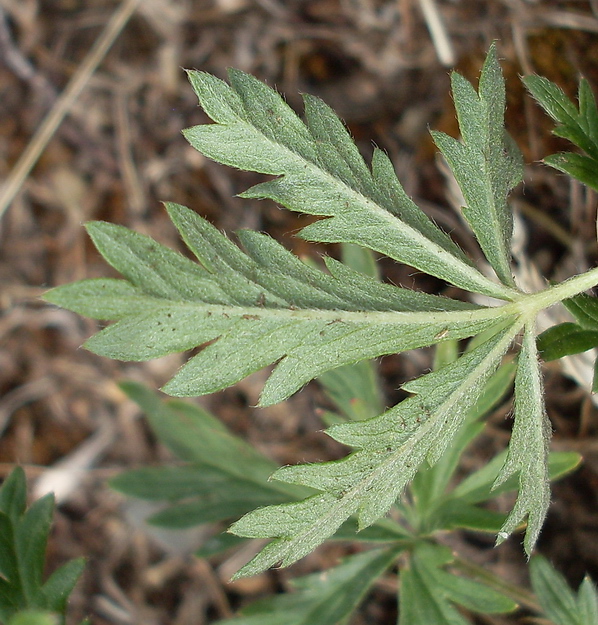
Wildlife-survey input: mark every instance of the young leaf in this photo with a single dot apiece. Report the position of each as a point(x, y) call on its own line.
point(558, 600)
point(390, 449)
point(528, 449)
point(320, 172)
point(321, 599)
point(487, 164)
point(428, 592)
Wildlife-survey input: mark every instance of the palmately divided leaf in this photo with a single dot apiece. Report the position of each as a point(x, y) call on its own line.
point(579, 127)
point(320, 172)
point(321, 599)
point(528, 449)
point(23, 538)
point(254, 308)
point(486, 164)
point(390, 448)
point(429, 593)
point(252, 305)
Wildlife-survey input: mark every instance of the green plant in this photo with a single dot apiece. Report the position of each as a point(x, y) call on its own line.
point(24, 598)
point(222, 477)
point(559, 603)
point(261, 305)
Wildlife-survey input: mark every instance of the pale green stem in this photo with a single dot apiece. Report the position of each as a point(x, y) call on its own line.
point(535, 302)
point(526, 304)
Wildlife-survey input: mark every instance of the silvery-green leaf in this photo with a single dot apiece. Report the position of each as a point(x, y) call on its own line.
point(252, 308)
point(320, 172)
point(528, 449)
point(389, 450)
point(486, 163)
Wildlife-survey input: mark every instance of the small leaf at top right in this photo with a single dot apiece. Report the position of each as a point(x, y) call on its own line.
point(578, 126)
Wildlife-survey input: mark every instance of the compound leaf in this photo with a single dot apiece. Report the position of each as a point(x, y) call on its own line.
point(253, 305)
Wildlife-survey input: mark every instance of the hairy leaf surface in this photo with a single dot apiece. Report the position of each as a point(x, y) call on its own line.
point(321, 172)
point(263, 305)
point(248, 306)
point(486, 164)
point(528, 449)
point(391, 447)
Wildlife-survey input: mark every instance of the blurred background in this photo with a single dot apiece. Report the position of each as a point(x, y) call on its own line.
point(93, 98)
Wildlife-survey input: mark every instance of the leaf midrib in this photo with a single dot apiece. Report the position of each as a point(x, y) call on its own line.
point(369, 317)
point(465, 270)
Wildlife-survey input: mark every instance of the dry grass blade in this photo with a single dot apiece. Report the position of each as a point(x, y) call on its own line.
point(62, 106)
point(442, 44)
